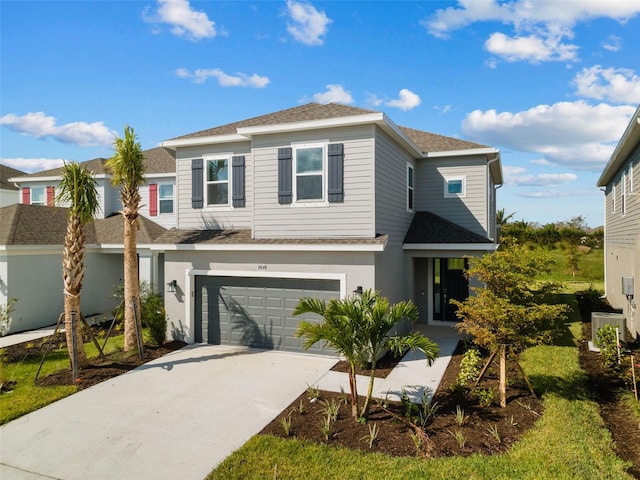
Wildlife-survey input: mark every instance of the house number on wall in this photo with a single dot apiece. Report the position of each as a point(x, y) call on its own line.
point(262, 267)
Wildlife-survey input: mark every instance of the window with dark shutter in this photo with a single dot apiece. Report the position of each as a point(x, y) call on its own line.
point(237, 176)
point(336, 173)
point(285, 156)
point(153, 199)
point(197, 184)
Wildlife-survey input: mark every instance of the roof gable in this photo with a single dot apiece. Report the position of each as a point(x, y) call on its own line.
point(5, 174)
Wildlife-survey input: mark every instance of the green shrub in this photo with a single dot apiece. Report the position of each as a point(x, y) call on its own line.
point(607, 342)
point(470, 367)
point(155, 317)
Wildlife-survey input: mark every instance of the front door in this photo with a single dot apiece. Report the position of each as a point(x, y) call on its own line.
point(449, 283)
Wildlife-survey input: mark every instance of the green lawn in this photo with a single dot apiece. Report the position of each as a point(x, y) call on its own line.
point(590, 267)
point(26, 395)
point(569, 441)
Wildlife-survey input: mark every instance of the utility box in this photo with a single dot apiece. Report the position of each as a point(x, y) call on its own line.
point(601, 319)
point(627, 286)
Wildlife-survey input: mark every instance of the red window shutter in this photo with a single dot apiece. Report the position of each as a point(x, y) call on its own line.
point(153, 199)
point(26, 196)
point(50, 196)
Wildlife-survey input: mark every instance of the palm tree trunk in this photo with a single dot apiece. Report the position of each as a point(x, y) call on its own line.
point(72, 274)
point(131, 282)
point(353, 388)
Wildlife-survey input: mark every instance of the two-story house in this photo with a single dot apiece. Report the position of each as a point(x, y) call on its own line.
point(32, 236)
point(621, 181)
point(321, 201)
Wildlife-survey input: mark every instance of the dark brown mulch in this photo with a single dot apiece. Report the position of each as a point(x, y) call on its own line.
point(486, 430)
point(606, 388)
point(384, 366)
point(99, 369)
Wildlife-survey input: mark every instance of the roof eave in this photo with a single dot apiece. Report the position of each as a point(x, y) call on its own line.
point(476, 247)
point(630, 138)
point(269, 247)
point(211, 139)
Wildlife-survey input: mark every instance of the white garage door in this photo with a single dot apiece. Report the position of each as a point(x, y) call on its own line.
point(256, 312)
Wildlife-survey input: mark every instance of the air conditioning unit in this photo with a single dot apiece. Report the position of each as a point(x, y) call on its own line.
point(601, 319)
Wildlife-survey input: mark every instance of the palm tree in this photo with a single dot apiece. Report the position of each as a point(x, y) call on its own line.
point(127, 168)
point(357, 328)
point(78, 190)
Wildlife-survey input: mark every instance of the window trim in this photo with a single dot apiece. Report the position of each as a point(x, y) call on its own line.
point(630, 171)
point(411, 189)
point(205, 176)
point(623, 194)
point(462, 179)
point(294, 174)
point(613, 198)
point(173, 198)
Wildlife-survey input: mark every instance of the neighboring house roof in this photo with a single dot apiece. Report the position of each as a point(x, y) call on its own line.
point(40, 225)
point(156, 160)
point(629, 141)
point(5, 174)
point(429, 228)
point(175, 236)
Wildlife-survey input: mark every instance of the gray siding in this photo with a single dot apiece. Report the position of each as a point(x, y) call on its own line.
point(392, 217)
point(469, 211)
point(207, 217)
point(351, 218)
point(622, 240)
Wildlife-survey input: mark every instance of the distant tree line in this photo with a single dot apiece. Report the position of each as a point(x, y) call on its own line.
point(574, 232)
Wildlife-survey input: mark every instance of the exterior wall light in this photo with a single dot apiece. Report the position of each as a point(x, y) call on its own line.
point(171, 286)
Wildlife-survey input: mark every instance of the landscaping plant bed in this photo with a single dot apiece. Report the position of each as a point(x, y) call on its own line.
point(485, 429)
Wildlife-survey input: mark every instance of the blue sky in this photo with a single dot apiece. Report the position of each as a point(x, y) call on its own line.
point(552, 84)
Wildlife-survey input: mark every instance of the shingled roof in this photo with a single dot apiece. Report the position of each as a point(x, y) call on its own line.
point(5, 174)
point(427, 142)
point(175, 236)
point(156, 160)
point(39, 225)
point(430, 228)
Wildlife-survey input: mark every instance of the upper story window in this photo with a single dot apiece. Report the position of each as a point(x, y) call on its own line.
point(217, 181)
point(165, 198)
point(613, 198)
point(623, 194)
point(410, 188)
point(38, 196)
point(630, 178)
point(455, 187)
point(309, 164)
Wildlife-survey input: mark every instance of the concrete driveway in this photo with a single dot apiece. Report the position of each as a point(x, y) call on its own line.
point(175, 417)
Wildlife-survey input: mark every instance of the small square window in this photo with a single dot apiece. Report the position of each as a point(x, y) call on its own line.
point(455, 187)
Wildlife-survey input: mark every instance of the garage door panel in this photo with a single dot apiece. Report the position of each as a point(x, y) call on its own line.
point(256, 312)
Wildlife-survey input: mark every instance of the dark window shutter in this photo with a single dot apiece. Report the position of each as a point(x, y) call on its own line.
point(197, 184)
point(285, 163)
point(50, 196)
point(336, 172)
point(26, 196)
point(237, 164)
point(153, 199)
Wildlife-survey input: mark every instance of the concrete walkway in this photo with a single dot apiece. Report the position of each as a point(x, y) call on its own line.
point(180, 415)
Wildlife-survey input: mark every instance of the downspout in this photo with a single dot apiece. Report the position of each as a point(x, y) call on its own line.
point(604, 240)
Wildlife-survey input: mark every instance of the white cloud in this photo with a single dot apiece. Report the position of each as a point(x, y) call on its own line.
point(538, 179)
point(307, 24)
point(614, 84)
point(613, 43)
point(201, 75)
point(373, 100)
point(39, 125)
point(539, 28)
point(531, 48)
point(407, 100)
point(334, 94)
point(576, 134)
point(184, 21)
point(31, 165)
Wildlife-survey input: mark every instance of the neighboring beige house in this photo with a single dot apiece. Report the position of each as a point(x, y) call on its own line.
point(322, 201)
point(621, 179)
point(9, 192)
